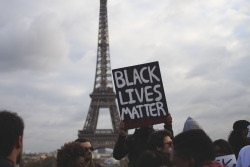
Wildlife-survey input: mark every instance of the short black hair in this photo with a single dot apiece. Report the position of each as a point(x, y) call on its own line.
point(68, 153)
point(11, 127)
point(156, 138)
point(82, 140)
point(195, 144)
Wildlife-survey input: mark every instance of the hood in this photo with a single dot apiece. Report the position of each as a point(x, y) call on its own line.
point(191, 124)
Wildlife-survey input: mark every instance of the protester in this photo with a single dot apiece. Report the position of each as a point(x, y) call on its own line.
point(11, 140)
point(160, 142)
point(193, 148)
point(222, 147)
point(86, 144)
point(244, 157)
point(135, 144)
point(71, 155)
point(238, 136)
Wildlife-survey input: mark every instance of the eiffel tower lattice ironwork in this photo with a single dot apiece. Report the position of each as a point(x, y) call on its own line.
point(103, 95)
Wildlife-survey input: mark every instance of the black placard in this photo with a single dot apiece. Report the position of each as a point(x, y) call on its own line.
point(140, 95)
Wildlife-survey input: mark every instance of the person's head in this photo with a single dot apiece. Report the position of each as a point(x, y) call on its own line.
point(241, 126)
point(70, 155)
point(11, 140)
point(160, 141)
point(191, 148)
point(222, 147)
point(86, 144)
point(238, 136)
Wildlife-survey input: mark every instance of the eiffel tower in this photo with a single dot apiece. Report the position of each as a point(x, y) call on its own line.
point(103, 95)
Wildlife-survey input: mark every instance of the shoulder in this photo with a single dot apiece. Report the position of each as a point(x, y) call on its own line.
point(245, 151)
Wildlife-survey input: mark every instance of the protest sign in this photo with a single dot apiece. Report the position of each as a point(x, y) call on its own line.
point(227, 160)
point(140, 95)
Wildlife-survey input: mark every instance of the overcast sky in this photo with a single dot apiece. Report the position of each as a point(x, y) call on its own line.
point(48, 55)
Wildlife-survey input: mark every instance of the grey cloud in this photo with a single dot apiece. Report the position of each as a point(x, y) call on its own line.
point(202, 48)
point(240, 71)
point(36, 45)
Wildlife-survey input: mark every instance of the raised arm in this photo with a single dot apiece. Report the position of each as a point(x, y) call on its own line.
point(168, 125)
point(121, 147)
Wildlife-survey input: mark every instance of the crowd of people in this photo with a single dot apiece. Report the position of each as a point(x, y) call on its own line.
point(146, 147)
point(191, 148)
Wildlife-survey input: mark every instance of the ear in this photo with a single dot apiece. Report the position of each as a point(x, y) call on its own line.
point(19, 142)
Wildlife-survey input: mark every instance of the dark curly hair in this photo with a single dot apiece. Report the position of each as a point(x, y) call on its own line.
point(11, 127)
point(156, 139)
point(68, 154)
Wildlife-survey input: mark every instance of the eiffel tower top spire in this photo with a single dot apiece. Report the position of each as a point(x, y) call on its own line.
point(103, 78)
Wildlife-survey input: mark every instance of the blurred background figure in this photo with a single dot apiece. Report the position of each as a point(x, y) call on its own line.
point(70, 155)
point(222, 147)
point(193, 148)
point(238, 136)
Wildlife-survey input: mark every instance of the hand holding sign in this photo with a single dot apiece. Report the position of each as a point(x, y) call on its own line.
point(122, 128)
point(169, 119)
